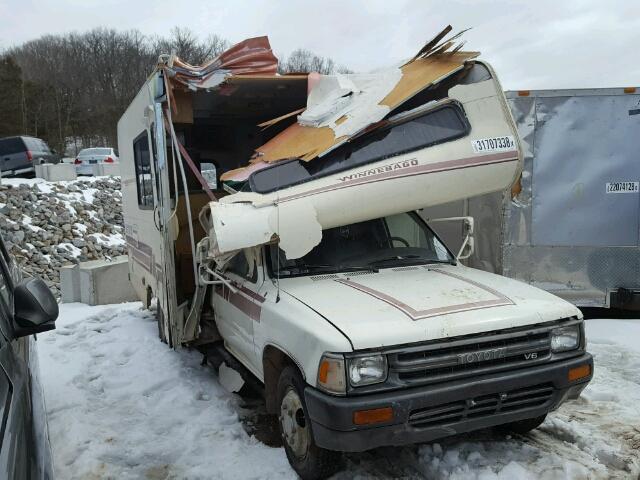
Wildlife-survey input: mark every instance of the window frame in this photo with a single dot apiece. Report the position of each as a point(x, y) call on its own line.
point(253, 279)
point(138, 163)
point(6, 307)
point(272, 274)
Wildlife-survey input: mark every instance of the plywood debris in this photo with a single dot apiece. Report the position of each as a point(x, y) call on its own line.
point(356, 103)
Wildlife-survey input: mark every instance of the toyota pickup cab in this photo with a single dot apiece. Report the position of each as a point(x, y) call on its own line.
point(272, 221)
point(379, 337)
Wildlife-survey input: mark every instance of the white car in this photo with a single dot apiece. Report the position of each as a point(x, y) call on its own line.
point(93, 156)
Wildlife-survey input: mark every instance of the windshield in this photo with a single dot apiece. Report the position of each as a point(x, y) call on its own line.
point(392, 241)
point(95, 151)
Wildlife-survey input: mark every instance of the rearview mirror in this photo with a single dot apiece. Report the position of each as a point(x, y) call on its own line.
point(36, 308)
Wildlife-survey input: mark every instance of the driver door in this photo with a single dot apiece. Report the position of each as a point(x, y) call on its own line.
point(237, 312)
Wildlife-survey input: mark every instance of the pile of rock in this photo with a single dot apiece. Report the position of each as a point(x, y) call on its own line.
point(51, 224)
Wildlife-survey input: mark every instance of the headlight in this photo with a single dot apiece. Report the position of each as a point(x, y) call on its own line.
point(331, 377)
point(367, 370)
point(565, 338)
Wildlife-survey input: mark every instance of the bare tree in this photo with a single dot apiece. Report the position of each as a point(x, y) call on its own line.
point(302, 60)
point(72, 89)
point(188, 47)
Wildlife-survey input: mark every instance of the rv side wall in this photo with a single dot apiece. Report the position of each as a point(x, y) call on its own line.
point(143, 239)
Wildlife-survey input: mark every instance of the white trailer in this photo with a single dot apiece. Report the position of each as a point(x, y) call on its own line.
point(571, 225)
point(310, 272)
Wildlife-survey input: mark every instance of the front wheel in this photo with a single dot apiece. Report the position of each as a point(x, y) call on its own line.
point(160, 321)
point(307, 459)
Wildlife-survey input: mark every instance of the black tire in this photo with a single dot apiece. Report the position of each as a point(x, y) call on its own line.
point(160, 321)
point(316, 463)
point(522, 426)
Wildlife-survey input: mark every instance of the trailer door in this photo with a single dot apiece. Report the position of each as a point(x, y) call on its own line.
point(170, 324)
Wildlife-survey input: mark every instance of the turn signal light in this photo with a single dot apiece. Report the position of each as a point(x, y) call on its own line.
point(377, 415)
point(579, 372)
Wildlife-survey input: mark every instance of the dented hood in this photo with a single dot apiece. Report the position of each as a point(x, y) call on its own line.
point(413, 304)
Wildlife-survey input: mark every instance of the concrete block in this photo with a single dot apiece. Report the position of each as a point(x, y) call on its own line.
point(70, 283)
point(56, 172)
point(106, 169)
point(104, 282)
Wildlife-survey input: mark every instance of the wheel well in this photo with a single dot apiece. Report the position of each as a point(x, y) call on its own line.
point(274, 361)
point(149, 297)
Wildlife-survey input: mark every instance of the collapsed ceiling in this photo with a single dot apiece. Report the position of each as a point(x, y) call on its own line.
point(339, 107)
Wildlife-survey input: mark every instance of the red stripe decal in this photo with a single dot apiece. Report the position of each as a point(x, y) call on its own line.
point(448, 165)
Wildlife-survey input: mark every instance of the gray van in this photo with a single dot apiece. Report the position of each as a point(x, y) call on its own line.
point(27, 307)
point(20, 154)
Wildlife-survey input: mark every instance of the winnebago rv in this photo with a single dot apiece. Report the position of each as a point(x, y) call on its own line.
point(571, 225)
point(273, 219)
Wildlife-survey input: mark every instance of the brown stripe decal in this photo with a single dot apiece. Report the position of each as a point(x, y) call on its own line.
point(445, 166)
point(500, 300)
point(241, 302)
point(143, 247)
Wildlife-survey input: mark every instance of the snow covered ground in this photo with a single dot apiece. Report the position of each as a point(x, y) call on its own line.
point(123, 405)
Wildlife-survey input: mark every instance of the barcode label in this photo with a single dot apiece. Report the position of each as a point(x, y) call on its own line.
point(493, 144)
point(623, 187)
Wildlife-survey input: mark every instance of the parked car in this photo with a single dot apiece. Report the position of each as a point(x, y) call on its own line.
point(27, 307)
point(94, 156)
point(19, 155)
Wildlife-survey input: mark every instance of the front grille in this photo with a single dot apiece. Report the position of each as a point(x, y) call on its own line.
point(444, 361)
point(482, 406)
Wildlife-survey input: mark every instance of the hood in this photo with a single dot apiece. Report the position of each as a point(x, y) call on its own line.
point(403, 305)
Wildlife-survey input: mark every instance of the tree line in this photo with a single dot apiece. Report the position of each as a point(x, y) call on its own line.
point(70, 90)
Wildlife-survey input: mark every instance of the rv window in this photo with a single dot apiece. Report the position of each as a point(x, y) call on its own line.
point(143, 171)
point(436, 126)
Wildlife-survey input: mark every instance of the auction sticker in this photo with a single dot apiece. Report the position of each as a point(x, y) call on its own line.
point(493, 144)
point(623, 187)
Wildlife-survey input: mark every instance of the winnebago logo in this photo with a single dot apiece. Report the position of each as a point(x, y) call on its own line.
point(385, 169)
point(482, 355)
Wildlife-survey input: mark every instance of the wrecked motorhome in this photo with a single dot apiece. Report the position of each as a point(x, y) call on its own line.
point(272, 217)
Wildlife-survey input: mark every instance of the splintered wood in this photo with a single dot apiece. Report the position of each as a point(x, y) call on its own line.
point(433, 62)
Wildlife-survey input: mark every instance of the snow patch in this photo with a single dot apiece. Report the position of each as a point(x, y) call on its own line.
point(123, 405)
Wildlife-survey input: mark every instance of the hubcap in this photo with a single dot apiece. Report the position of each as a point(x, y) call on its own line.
point(294, 424)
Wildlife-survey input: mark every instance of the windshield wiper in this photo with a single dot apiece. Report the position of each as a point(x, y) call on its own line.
point(340, 267)
point(411, 258)
point(330, 268)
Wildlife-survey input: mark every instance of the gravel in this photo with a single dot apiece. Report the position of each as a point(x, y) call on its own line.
point(47, 225)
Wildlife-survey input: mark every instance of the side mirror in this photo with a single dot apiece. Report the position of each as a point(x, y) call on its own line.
point(468, 245)
point(468, 248)
point(35, 307)
point(209, 173)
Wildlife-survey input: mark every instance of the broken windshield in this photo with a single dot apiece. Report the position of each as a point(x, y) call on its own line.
point(402, 239)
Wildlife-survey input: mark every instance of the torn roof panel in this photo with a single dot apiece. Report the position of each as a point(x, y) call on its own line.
point(307, 142)
point(252, 56)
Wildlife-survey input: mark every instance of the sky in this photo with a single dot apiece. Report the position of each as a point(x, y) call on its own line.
point(532, 44)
